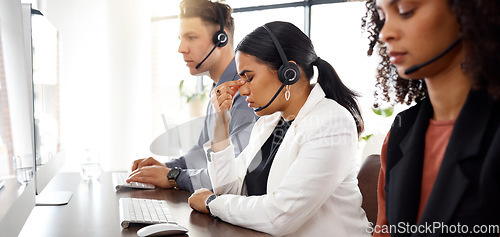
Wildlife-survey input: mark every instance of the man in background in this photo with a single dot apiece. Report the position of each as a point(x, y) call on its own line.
point(206, 35)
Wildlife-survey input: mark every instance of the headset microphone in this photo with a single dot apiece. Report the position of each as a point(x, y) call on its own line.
point(220, 37)
point(415, 68)
point(288, 73)
point(199, 64)
point(271, 101)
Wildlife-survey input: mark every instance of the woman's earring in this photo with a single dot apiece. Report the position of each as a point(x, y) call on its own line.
point(287, 92)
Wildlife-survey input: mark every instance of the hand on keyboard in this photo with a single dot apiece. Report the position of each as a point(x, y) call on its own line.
point(119, 181)
point(139, 163)
point(153, 174)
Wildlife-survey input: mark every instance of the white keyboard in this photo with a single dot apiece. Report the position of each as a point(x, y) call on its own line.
point(119, 182)
point(144, 211)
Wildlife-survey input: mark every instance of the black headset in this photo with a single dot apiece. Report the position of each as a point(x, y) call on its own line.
point(289, 72)
point(220, 38)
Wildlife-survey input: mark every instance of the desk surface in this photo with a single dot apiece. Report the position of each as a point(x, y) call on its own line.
point(93, 211)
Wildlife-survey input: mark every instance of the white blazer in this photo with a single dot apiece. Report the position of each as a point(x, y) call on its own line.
point(312, 186)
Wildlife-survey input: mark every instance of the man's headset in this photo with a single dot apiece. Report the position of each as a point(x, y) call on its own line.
point(220, 37)
point(288, 73)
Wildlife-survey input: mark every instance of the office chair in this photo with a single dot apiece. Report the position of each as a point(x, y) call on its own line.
point(367, 183)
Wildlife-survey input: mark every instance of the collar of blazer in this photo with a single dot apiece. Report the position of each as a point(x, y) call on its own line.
point(404, 162)
point(316, 95)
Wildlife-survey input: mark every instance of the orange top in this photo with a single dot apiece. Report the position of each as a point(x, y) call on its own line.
point(436, 140)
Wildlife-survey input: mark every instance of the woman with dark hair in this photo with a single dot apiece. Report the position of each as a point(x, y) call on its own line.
point(441, 159)
point(298, 174)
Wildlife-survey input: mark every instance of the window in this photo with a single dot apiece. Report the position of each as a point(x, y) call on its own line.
point(344, 46)
point(246, 22)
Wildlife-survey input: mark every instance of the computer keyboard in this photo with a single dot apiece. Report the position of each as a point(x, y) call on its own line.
point(144, 211)
point(119, 181)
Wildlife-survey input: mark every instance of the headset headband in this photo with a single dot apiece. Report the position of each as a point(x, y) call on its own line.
point(221, 15)
point(278, 46)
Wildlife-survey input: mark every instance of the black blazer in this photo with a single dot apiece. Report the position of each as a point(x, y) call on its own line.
point(467, 188)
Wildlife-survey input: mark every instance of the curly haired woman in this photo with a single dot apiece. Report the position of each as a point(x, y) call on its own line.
point(440, 170)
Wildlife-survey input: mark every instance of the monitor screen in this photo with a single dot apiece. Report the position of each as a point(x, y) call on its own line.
point(44, 47)
point(45, 41)
point(44, 52)
point(16, 119)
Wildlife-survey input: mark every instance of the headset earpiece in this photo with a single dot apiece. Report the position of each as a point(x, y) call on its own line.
point(289, 73)
point(220, 38)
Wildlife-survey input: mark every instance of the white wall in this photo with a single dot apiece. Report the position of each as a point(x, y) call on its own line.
point(105, 78)
point(129, 47)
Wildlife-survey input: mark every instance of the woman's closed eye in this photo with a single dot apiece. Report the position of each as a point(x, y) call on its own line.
point(406, 11)
point(407, 14)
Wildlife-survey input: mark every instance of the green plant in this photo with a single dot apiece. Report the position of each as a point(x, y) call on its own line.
point(365, 138)
point(385, 111)
point(194, 95)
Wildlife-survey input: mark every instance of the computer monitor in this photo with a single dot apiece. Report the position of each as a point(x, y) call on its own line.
point(16, 118)
point(42, 44)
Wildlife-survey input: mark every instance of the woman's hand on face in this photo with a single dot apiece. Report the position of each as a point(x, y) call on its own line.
point(222, 100)
point(222, 96)
point(198, 199)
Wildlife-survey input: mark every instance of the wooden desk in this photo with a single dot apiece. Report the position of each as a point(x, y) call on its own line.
point(93, 211)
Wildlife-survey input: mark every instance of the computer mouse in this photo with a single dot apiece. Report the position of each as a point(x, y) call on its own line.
point(161, 230)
